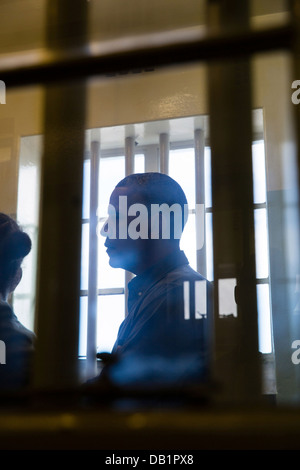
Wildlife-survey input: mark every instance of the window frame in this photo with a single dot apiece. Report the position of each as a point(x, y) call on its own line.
point(152, 163)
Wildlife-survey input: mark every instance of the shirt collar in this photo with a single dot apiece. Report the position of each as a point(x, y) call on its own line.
point(152, 275)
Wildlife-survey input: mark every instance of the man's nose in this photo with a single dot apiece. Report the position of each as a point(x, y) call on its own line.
point(104, 229)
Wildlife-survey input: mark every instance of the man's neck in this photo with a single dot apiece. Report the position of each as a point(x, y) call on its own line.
point(155, 256)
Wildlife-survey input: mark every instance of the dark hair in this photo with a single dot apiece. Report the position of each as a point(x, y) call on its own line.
point(157, 188)
point(14, 246)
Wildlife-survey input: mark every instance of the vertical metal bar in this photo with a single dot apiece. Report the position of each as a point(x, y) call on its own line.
point(129, 169)
point(164, 152)
point(236, 340)
point(129, 155)
point(93, 256)
point(200, 200)
point(58, 281)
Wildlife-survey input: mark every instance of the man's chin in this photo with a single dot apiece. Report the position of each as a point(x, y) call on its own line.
point(119, 262)
point(115, 261)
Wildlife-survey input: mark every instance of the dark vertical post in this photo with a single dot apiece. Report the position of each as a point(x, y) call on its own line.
point(58, 280)
point(236, 339)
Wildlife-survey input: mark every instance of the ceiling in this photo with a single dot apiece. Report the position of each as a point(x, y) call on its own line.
point(23, 21)
point(113, 138)
point(23, 28)
point(179, 130)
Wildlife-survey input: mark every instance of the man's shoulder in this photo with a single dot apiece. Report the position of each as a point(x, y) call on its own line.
point(12, 331)
point(184, 273)
point(175, 283)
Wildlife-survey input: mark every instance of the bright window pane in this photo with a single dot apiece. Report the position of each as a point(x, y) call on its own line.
point(82, 326)
point(188, 241)
point(259, 172)
point(261, 243)
point(24, 308)
point(207, 177)
point(86, 189)
point(209, 247)
point(139, 163)
point(27, 217)
point(182, 169)
point(111, 312)
point(264, 318)
point(112, 170)
point(108, 276)
point(84, 256)
point(227, 304)
point(28, 189)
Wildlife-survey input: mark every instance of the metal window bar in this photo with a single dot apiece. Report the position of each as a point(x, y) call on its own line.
point(233, 218)
point(199, 146)
point(129, 168)
point(164, 147)
point(148, 50)
point(93, 256)
point(58, 280)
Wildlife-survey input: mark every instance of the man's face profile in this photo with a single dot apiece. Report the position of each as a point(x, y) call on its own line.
point(142, 226)
point(123, 250)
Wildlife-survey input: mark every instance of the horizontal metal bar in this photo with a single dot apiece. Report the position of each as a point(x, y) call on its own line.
point(263, 280)
point(138, 52)
point(108, 291)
